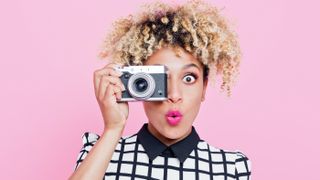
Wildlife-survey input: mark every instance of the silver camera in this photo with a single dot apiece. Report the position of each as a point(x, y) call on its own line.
point(144, 83)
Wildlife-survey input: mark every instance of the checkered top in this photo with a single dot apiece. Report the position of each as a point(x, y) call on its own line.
point(130, 159)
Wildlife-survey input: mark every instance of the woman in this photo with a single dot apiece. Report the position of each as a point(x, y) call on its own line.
point(189, 41)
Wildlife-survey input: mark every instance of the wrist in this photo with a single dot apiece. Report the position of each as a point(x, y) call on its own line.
point(116, 129)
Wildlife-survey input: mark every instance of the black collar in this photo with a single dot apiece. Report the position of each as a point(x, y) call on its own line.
point(155, 147)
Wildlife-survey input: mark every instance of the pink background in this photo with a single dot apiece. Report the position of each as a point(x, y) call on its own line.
point(49, 53)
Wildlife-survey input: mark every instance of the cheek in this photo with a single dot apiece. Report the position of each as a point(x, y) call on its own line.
point(151, 108)
point(193, 98)
point(193, 93)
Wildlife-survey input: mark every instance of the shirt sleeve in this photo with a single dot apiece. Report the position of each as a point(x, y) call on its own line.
point(243, 167)
point(88, 140)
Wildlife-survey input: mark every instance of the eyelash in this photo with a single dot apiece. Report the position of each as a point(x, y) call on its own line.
point(194, 76)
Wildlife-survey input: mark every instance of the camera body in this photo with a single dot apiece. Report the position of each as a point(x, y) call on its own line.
point(144, 83)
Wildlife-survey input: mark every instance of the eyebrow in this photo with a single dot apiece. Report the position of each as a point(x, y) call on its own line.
point(184, 67)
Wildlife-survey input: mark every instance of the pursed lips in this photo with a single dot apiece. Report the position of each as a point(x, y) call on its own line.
point(173, 117)
point(174, 113)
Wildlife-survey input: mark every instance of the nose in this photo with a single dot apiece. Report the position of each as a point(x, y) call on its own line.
point(174, 92)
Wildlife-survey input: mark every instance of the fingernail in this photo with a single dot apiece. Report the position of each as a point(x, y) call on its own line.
point(119, 72)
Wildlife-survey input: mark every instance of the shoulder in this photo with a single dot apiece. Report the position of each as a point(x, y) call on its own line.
point(90, 138)
point(229, 155)
point(233, 160)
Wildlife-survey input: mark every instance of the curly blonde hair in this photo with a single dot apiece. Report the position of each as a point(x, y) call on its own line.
point(195, 26)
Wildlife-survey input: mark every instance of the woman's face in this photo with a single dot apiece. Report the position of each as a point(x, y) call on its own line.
point(186, 91)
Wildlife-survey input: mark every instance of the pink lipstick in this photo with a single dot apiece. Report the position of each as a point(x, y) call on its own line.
point(173, 117)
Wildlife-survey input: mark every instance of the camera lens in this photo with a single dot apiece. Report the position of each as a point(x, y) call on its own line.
point(141, 85)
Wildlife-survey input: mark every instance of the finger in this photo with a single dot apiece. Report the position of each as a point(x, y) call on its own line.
point(99, 73)
point(110, 92)
point(116, 87)
point(118, 92)
point(113, 65)
point(103, 85)
point(115, 81)
point(105, 81)
point(108, 71)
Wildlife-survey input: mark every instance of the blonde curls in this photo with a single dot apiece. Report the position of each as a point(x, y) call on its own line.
point(197, 27)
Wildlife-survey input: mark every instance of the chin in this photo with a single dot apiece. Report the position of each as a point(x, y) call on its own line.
point(168, 131)
point(172, 134)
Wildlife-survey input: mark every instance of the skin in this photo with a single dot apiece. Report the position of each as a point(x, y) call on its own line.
point(185, 93)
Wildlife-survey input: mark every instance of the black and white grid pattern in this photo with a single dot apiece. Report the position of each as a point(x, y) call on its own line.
point(130, 161)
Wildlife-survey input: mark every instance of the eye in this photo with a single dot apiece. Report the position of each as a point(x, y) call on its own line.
point(189, 78)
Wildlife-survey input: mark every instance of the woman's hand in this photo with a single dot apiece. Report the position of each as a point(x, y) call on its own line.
point(108, 88)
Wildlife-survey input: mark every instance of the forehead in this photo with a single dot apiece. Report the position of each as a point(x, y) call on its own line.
point(173, 59)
